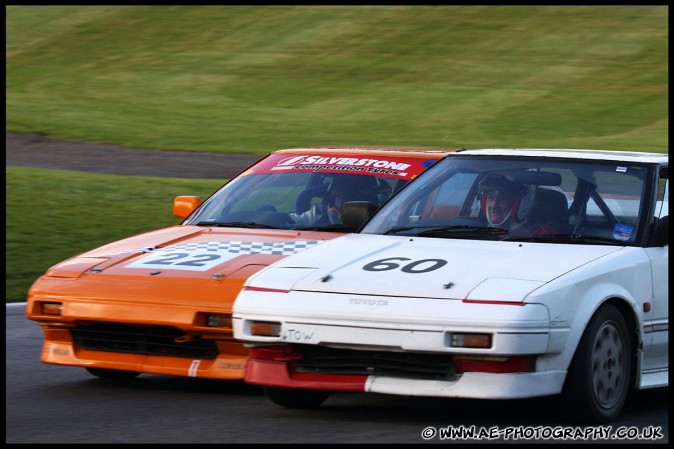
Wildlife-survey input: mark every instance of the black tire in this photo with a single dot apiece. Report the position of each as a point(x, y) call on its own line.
point(112, 373)
point(296, 398)
point(598, 381)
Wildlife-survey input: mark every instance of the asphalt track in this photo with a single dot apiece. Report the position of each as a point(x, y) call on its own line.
point(60, 404)
point(53, 404)
point(35, 150)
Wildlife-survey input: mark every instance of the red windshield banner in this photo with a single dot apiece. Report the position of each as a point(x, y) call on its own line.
point(389, 166)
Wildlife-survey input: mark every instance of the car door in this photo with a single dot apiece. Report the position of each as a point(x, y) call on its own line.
point(657, 328)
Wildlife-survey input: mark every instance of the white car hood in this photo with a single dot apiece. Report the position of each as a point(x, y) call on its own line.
point(427, 267)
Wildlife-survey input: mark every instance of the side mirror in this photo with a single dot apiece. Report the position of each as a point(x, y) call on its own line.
point(183, 206)
point(661, 232)
point(356, 213)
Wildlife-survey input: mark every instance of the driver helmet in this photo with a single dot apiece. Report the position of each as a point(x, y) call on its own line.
point(351, 187)
point(499, 185)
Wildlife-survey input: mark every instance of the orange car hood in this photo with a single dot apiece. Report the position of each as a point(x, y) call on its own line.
point(177, 264)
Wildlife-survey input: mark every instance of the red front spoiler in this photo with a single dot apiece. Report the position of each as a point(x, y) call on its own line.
point(277, 374)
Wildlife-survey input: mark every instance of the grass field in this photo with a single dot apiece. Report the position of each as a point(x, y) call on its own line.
point(56, 214)
point(251, 79)
point(258, 78)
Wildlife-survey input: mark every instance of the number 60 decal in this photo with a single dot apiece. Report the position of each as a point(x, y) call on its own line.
point(418, 266)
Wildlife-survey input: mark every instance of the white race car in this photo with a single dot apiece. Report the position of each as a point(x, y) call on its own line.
point(496, 274)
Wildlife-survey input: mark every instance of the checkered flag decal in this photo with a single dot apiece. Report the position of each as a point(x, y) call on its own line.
point(281, 249)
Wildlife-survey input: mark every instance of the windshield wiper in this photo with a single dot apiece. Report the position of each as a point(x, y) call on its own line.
point(448, 230)
point(236, 224)
point(328, 228)
point(566, 238)
point(462, 230)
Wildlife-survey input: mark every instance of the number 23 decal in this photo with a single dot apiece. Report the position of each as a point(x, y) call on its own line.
point(415, 267)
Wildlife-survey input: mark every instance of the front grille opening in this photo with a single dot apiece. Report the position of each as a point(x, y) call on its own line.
point(326, 360)
point(151, 340)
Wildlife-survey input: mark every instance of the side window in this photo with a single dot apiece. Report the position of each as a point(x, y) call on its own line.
point(661, 230)
point(621, 193)
point(662, 205)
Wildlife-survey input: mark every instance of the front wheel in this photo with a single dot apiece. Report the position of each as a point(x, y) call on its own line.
point(598, 380)
point(296, 398)
point(116, 374)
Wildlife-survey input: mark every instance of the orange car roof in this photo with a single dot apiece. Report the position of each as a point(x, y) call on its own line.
point(370, 151)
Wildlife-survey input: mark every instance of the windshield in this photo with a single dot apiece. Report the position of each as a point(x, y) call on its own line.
point(520, 198)
point(291, 191)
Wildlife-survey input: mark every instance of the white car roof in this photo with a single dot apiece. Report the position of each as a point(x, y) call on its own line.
point(623, 156)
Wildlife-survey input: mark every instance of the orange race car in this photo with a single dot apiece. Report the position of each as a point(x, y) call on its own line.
point(161, 302)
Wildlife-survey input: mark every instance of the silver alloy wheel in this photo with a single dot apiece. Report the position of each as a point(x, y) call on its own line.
point(608, 365)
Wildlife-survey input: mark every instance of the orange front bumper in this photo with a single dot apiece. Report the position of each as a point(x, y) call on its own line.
point(59, 349)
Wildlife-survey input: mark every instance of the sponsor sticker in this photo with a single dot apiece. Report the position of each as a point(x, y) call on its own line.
point(622, 232)
point(403, 168)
